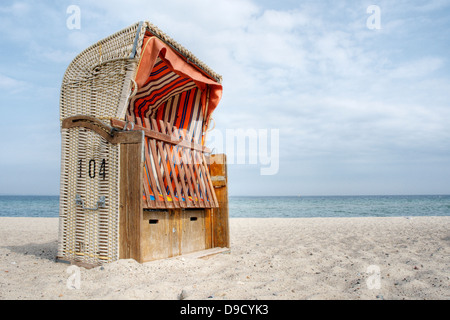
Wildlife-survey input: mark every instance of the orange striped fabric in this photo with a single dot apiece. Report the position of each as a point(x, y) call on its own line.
point(169, 97)
point(171, 90)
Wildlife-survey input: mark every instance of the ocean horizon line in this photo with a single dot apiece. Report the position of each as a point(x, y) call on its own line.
point(273, 206)
point(274, 196)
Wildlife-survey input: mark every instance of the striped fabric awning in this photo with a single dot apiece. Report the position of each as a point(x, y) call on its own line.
point(173, 90)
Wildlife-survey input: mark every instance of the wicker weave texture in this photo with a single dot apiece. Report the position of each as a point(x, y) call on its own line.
point(98, 82)
point(88, 235)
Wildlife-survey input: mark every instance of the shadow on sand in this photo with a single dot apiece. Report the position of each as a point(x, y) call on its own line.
point(47, 250)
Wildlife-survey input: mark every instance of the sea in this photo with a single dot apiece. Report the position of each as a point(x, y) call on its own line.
point(274, 207)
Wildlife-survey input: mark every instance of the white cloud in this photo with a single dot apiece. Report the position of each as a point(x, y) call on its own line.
point(17, 9)
point(11, 85)
point(418, 68)
point(430, 5)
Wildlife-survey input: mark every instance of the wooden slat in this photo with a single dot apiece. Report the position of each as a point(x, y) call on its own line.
point(181, 168)
point(205, 254)
point(189, 179)
point(172, 166)
point(208, 228)
point(187, 161)
point(147, 202)
point(103, 130)
point(205, 176)
point(131, 201)
point(221, 231)
point(152, 144)
point(166, 160)
point(166, 170)
point(150, 203)
point(162, 136)
point(200, 177)
point(210, 190)
point(208, 178)
point(159, 203)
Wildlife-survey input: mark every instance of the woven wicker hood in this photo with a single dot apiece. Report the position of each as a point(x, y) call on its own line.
point(102, 79)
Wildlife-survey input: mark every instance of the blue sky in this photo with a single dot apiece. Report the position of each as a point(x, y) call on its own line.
point(359, 110)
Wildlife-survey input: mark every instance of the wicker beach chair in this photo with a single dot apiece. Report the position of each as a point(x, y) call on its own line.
point(137, 180)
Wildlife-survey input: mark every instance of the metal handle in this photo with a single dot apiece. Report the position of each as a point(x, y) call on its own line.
point(100, 203)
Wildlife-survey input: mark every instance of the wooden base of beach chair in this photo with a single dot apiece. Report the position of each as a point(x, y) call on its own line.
point(151, 234)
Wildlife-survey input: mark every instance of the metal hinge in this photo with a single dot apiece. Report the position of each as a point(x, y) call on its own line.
point(101, 203)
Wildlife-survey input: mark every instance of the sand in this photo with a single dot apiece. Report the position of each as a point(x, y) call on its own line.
point(311, 258)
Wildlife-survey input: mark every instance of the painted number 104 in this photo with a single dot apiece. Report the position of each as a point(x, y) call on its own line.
point(92, 168)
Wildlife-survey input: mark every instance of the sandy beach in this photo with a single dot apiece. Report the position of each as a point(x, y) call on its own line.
point(304, 258)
